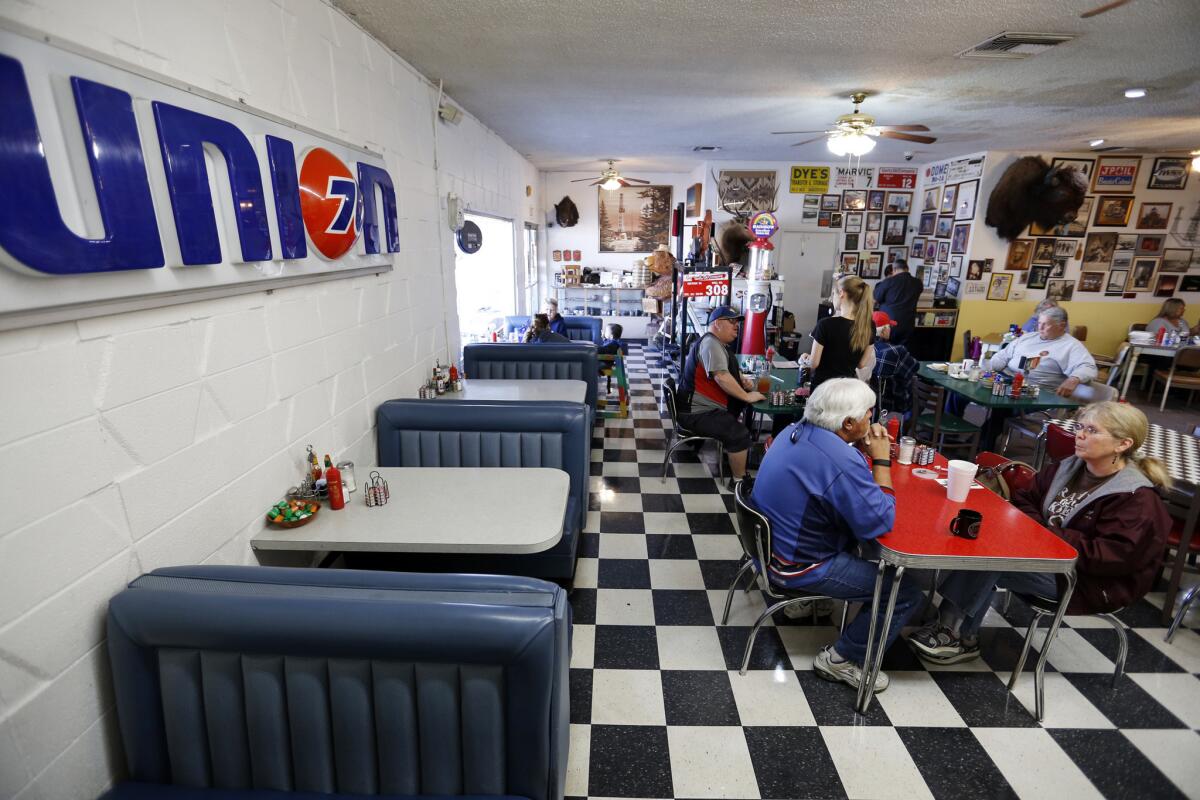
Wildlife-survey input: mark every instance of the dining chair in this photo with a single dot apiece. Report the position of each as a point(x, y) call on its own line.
point(1044, 606)
point(1184, 374)
point(932, 424)
point(680, 435)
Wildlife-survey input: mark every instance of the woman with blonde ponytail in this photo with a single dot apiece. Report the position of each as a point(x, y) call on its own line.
point(1104, 502)
point(842, 344)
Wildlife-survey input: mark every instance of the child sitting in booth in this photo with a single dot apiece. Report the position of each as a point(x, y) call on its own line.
point(614, 343)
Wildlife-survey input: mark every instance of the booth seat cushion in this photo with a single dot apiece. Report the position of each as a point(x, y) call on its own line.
point(159, 791)
point(574, 361)
point(579, 329)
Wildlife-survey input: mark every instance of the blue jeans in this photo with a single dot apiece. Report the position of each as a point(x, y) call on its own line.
point(848, 577)
point(970, 593)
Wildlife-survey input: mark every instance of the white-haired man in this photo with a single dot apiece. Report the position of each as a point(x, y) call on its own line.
point(823, 500)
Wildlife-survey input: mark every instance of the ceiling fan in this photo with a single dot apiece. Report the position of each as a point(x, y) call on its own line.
point(1101, 9)
point(609, 179)
point(852, 133)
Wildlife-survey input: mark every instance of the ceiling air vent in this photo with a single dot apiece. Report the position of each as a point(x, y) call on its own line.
point(1014, 44)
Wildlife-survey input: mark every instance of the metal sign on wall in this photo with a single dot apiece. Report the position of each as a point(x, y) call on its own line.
point(124, 190)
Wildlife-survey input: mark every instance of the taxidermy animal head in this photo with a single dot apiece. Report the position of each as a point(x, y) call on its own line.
point(566, 213)
point(732, 242)
point(1032, 191)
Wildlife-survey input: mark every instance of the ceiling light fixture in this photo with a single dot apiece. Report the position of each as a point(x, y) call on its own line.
point(1133, 94)
point(850, 144)
point(1196, 161)
point(611, 184)
point(1095, 142)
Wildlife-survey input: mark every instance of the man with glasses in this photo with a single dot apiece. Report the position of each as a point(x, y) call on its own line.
point(713, 391)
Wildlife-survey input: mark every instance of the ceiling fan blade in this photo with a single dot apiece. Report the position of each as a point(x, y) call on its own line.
point(903, 128)
point(793, 133)
point(908, 137)
point(810, 141)
point(581, 180)
point(1103, 8)
point(635, 180)
point(598, 182)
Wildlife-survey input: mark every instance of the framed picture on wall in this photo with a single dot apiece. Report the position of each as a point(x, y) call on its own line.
point(646, 223)
point(1038, 275)
point(949, 195)
point(927, 224)
point(1166, 286)
point(1058, 268)
point(1098, 250)
point(872, 265)
point(831, 202)
point(944, 227)
point(933, 199)
point(1190, 283)
point(962, 233)
point(854, 200)
point(850, 263)
point(1116, 282)
point(1043, 251)
point(851, 241)
point(1150, 244)
point(871, 240)
point(1064, 248)
point(1122, 261)
point(893, 252)
point(1141, 275)
point(1060, 291)
point(931, 248)
point(835, 219)
point(943, 253)
point(693, 200)
point(1077, 228)
point(1176, 259)
point(918, 249)
point(823, 219)
point(1154, 216)
point(956, 266)
point(854, 221)
point(1113, 212)
point(964, 205)
point(875, 199)
point(1169, 173)
point(1115, 174)
point(894, 228)
point(998, 288)
point(1083, 166)
point(874, 221)
point(1019, 253)
point(975, 270)
point(1091, 281)
point(1126, 242)
point(899, 202)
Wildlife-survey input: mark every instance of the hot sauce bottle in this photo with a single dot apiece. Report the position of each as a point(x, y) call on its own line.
point(333, 478)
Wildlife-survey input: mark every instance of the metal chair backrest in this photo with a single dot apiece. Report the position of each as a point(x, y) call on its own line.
point(670, 393)
point(1094, 392)
point(1187, 357)
point(1060, 443)
point(754, 533)
point(927, 397)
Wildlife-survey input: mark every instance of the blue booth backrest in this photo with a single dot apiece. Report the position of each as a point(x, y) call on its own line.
point(574, 361)
point(579, 329)
point(342, 681)
point(465, 433)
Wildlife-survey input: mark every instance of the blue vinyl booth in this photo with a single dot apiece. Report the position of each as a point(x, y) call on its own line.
point(579, 329)
point(574, 361)
point(478, 433)
point(267, 683)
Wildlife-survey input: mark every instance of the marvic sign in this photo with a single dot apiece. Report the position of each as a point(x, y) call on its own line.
point(107, 171)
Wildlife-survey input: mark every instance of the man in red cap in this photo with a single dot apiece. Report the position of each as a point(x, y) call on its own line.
point(894, 366)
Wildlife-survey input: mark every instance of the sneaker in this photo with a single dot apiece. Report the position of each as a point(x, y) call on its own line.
point(845, 671)
point(822, 608)
point(938, 644)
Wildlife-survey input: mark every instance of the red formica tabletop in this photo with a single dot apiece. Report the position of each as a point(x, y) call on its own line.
point(1008, 540)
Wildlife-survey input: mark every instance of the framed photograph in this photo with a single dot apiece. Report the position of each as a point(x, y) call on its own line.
point(854, 221)
point(918, 249)
point(1083, 166)
point(953, 286)
point(831, 202)
point(812, 205)
point(647, 218)
point(1126, 242)
point(875, 199)
point(933, 199)
point(1166, 286)
point(870, 240)
point(1122, 260)
point(1098, 251)
point(1141, 275)
point(1043, 251)
point(975, 270)
point(1058, 268)
point(943, 272)
point(694, 205)
point(1113, 212)
point(964, 205)
point(835, 219)
point(850, 263)
point(1154, 216)
point(872, 266)
point(962, 234)
point(894, 226)
point(927, 224)
point(1116, 282)
point(1038, 275)
point(1176, 259)
point(1115, 174)
point(1169, 173)
point(945, 225)
point(1149, 244)
point(1019, 253)
point(1064, 248)
point(851, 241)
point(823, 219)
point(1190, 283)
point(898, 202)
point(854, 200)
point(1091, 281)
point(1077, 228)
point(943, 253)
point(874, 221)
point(949, 195)
point(987, 264)
point(1060, 290)
point(893, 252)
point(931, 248)
point(998, 288)
point(956, 266)
point(976, 288)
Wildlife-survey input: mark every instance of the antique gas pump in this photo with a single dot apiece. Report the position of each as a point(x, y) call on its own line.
point(757, 305)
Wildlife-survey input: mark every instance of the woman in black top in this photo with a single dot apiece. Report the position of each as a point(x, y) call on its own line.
point(842, 343)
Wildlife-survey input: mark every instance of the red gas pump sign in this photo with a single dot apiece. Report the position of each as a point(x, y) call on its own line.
point(705, 284)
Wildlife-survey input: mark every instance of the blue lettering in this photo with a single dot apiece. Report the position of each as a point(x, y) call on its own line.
point(282, 158)
point(368, 178)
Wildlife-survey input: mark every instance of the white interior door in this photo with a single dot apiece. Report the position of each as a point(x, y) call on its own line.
point(803, 258)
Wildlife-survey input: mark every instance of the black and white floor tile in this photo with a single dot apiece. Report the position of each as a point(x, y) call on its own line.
point(658, 709)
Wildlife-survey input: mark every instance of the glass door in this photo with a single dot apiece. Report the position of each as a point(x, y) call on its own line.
point(486, 281)
point(531, 268)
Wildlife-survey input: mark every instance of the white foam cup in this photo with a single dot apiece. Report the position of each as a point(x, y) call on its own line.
point(959, 477)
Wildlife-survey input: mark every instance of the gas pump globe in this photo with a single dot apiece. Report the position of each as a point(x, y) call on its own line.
point(757, 305)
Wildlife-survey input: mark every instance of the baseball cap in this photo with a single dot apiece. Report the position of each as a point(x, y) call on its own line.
point(881, 318)
point(722, 312)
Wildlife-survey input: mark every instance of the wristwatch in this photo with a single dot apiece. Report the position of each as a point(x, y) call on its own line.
point(881, 462)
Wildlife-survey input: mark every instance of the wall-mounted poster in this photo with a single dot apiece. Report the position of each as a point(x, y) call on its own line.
point(1154, 216)
point(634, 219)
point(1098, 251)
point(1176, 259)
point(1019, 253)
point(693, 200)
point(1091, 281)
point(998, 288)
point(808, 180)
point(1169, 173)
point(964, 206)
point(894, 226)
point(1166, 286)
point(1115, 174)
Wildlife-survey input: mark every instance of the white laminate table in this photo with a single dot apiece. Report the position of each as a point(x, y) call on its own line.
point(440, 510)
point(506, 389)
point(1135, 352)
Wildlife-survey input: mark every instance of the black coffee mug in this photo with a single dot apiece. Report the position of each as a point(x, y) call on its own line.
point(967, 524)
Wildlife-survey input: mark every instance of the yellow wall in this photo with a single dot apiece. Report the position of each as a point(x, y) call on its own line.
point(1107, 323)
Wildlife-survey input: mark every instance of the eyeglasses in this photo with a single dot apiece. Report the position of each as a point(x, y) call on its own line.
point(1090, 430)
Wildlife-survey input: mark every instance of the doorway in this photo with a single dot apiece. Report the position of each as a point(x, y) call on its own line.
point(804, 261)
point(485, 281)
point(531, 268)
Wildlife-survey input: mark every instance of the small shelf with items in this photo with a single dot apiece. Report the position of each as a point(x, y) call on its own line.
point(594, 300)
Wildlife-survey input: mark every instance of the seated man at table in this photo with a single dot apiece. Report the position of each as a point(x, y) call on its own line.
point(1104, 502)
point(1053, 358)
point(713, 384)
point(894, 367)
point(823, 501)
point(539, 331)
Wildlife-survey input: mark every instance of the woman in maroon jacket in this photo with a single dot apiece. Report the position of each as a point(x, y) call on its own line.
point(1104, 502)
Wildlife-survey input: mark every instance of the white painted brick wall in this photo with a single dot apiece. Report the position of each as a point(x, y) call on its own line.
point(159, 437)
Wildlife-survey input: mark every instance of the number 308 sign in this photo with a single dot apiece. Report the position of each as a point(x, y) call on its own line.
point(706, 284)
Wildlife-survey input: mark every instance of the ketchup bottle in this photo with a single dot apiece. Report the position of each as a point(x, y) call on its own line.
point(1018, 382)
point(893, 427)
point(1162, 334)
point(333, 478)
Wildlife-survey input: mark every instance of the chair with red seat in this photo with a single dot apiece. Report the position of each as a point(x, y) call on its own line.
point(1060, 443)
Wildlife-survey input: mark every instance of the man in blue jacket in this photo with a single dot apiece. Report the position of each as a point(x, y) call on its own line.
point(898, 296)
point(823, 501)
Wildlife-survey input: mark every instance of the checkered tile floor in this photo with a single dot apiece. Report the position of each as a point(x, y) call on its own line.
point(658, 709)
